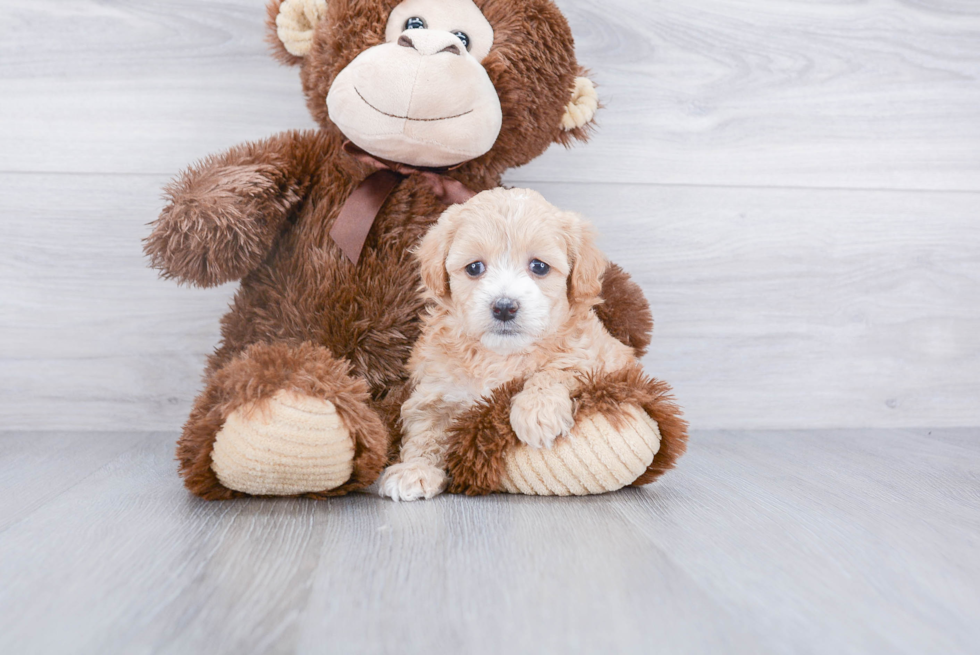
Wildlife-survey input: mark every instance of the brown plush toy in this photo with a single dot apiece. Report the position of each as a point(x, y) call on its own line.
point(421, 103)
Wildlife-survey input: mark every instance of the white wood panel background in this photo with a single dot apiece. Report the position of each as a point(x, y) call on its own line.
point(795, 183)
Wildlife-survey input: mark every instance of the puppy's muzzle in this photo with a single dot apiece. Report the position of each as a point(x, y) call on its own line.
point(505, 309)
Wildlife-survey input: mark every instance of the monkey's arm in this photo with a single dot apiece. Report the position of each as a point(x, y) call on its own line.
point(223, 214)
point(625, 312)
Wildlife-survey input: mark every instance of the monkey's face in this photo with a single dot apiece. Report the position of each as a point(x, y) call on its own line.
point(438, 83)
point(422, 98)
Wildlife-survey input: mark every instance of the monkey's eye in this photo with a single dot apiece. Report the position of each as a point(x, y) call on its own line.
point(462, 36)
point(539, 268)
point(415, 23)
point(476, 269)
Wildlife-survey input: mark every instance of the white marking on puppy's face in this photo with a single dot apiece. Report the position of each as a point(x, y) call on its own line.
point(507, 268)
point(507, 307)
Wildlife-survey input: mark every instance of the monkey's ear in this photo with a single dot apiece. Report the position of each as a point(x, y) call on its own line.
point(291, 24)
point(579, 117)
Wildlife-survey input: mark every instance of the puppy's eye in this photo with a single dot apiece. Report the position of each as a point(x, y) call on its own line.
point(415, 23)
point(539, 268)
point(476, 269)
point(462, 36)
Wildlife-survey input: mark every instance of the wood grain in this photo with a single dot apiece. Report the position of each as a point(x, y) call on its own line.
point(774, 307)
point(831, 308)
point(763, 93)
point(865, 521)
point(779, 93)
point(763, 542)
point(42, 465)
point(783, 297)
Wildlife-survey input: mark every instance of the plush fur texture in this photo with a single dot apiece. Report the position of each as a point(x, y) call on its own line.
point(305, 318)
point(481, 438)
point(254, 376)
point(624, 311)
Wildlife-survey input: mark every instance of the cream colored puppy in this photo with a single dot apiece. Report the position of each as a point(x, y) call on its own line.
point(511, 282)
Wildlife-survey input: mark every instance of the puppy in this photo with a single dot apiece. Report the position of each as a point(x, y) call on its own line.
point(511, 282)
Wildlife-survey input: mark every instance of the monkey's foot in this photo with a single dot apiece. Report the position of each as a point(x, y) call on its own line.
point(287, 445)
point(628, 431)
point(595, 458)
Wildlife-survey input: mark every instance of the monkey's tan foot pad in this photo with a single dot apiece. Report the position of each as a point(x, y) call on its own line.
point(289, 444)
point(628, 432)
point(593, 459)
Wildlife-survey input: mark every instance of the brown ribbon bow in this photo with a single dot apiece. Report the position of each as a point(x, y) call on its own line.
point(359, 212)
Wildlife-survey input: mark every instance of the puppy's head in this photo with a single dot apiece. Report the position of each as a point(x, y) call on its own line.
point(510, 268)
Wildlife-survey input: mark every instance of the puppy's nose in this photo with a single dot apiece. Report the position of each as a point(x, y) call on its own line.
point(505, 309)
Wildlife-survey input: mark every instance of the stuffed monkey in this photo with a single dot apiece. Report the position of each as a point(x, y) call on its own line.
point(420, 104)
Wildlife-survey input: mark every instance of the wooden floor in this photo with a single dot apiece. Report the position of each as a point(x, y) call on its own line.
point(763, 542)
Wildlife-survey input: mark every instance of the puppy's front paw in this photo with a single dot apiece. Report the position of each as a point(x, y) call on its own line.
point(539, 416)
point(412, 480)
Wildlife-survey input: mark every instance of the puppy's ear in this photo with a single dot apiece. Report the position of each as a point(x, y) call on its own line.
point(588, 263)
point(432, 252)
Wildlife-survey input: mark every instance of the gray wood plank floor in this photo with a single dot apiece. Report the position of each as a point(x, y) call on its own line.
point(762, 542)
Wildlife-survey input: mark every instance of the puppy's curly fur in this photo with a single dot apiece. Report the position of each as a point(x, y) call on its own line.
point(511, 247)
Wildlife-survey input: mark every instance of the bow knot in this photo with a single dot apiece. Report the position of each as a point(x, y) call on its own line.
point(359, 212)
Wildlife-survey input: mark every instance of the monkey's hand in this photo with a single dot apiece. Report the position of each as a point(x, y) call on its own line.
point(224, 214)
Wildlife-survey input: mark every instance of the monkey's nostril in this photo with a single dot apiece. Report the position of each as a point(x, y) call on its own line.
point(454, 49)
point(405, 42)
point(505, 309)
